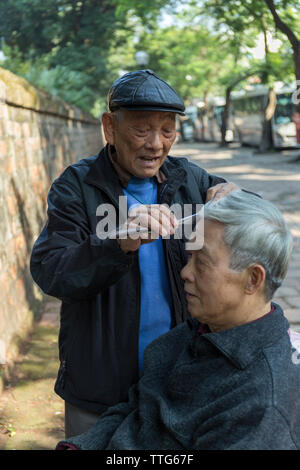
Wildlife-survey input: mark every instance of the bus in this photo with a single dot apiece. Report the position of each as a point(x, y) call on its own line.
point(207, 127)
point(247, 112)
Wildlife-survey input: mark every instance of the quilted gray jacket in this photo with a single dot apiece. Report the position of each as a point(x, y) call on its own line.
point(235, 389)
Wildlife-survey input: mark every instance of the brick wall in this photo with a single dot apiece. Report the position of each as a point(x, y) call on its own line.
point(39, 137)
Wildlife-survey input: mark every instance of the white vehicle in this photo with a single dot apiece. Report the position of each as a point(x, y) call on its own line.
point(247, 110)
point(209, 121)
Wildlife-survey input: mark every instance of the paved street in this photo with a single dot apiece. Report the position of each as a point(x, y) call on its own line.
point(276, 177)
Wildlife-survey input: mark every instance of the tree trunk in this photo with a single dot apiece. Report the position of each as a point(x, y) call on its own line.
point(203, 114)
point(266, 142)
point(201, 119)
point(181, 130)
point(225, 116)
point(296, 100)
point(296, 57)
point(295, 42)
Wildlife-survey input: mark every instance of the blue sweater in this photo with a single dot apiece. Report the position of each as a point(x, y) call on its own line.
point(156, 300)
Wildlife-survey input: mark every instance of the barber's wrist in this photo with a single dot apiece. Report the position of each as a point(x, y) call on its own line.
point(128, 247)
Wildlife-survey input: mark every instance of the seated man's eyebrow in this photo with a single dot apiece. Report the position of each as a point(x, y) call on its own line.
point(202, 251)
point(205, 252)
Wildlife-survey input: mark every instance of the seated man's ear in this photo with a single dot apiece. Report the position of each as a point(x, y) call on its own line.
point(108, 127)
point(255, 279)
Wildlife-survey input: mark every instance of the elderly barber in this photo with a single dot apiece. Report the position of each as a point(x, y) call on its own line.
point(118, 294)
point(229, 377)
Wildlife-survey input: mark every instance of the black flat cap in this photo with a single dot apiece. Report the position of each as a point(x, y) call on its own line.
point(143, 90)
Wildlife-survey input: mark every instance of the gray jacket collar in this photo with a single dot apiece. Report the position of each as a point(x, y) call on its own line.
point(242, 344)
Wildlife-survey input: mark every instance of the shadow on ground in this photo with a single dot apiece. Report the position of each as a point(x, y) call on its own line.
point(31, 414)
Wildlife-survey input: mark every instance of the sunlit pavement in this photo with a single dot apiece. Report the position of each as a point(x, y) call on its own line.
point(276, 177)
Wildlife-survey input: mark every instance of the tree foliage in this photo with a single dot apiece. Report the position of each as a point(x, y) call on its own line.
point(65, 44)
point(75, 49)
point(193, 59)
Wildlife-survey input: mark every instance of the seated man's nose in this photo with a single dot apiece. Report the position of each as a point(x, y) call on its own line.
point(185, 273)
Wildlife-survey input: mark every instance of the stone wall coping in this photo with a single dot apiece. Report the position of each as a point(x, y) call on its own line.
point(16, 91)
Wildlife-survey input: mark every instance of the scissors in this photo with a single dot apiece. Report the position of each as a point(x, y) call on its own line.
point(138, 229)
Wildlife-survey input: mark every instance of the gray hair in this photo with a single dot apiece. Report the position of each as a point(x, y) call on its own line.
point(255, 232)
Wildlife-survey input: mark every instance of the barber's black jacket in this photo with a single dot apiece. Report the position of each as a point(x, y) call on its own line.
point(98, 283)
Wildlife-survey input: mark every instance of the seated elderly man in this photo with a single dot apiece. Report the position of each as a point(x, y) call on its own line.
point(228, 378)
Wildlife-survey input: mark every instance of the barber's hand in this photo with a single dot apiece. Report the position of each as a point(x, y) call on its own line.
point(157, 218)
point(220, 190)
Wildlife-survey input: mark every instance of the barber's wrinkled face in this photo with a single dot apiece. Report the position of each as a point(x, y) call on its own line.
point(142, 139)
point(213, 290)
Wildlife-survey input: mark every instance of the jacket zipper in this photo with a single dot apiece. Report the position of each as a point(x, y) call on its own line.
point(138, 303)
